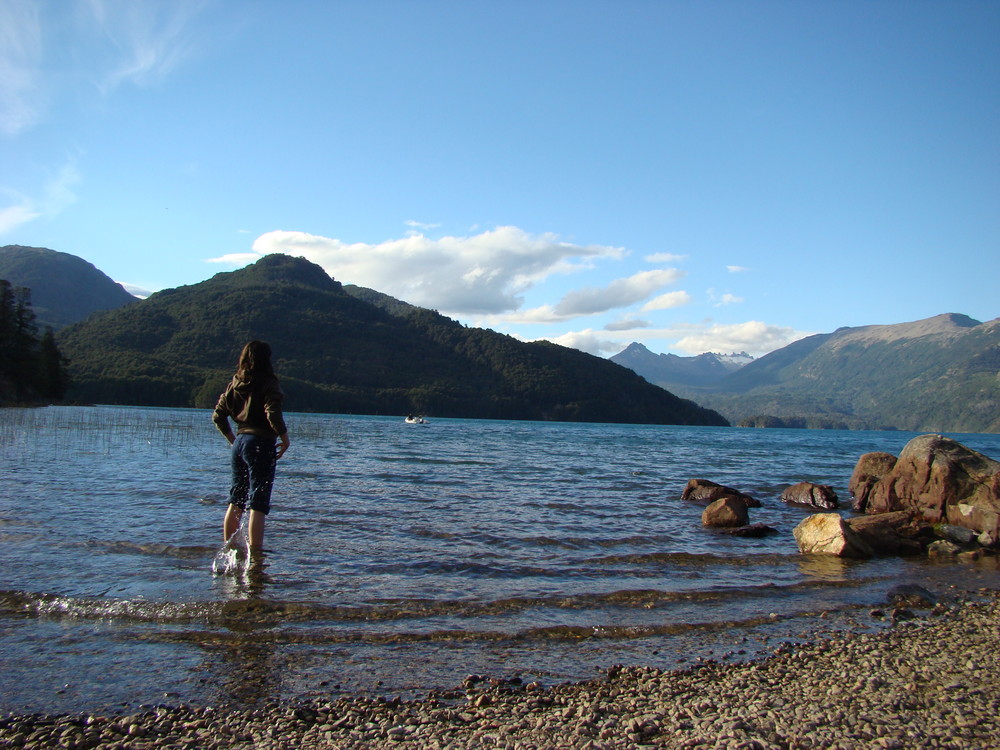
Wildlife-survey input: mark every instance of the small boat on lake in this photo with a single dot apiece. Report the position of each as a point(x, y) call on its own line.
point(410, 419)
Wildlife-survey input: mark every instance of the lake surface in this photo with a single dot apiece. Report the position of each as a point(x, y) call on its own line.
point(401, 558)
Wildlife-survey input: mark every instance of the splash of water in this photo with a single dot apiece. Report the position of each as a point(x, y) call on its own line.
point(234, 556)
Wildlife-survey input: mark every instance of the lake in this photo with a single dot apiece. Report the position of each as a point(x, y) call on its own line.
point(401, 558)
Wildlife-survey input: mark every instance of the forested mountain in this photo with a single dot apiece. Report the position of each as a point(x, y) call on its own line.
point(941, 374)
point(357, 352)
point(64, 288)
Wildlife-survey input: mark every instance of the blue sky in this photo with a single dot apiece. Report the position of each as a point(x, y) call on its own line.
point(696, 176)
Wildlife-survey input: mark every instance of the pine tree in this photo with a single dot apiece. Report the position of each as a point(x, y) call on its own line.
point(30, 368)
point(53, 378)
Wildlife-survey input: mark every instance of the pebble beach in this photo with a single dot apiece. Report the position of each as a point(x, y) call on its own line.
point(928, 680)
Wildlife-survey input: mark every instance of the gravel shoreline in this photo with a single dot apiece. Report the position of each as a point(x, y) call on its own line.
point(928, 682)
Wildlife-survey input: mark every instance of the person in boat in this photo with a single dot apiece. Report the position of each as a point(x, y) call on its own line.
point(253, 400)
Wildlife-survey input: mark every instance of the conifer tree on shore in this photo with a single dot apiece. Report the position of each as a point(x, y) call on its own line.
point(31, 366)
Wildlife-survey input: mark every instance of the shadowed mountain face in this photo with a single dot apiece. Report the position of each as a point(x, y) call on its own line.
point(348, 350)
point(65, 289)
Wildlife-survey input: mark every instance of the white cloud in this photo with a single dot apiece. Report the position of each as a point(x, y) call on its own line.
point(235, 259)
point(753, 337)
point(135, 291)
point(728, 299)
point(483, 274)
point(588, 341)
point(20, 58)
point(737, 269)
point(619, 293)
point(668, 301)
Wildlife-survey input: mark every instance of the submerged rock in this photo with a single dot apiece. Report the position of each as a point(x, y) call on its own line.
point(706, 492)
point(911, 595)
point(943, 548)
point(753, 531)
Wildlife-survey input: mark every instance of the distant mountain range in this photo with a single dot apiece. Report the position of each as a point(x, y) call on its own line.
point(65, 289)
point(346, 350)
point(941, 374)
point(672, 370)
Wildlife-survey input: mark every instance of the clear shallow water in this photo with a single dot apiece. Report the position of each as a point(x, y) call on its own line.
point(401, 558)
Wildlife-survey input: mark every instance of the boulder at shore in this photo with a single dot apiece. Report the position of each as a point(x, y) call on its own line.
point(899, 533)
point(870, 468)
point(937, 477)
point(828, 533)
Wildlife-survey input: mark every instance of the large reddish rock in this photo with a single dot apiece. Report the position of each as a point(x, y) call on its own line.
point(870, 468)
point(707, 492)
point(938, 478)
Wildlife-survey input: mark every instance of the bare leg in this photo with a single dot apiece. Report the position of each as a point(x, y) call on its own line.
point(255, 530)
point(231, 522)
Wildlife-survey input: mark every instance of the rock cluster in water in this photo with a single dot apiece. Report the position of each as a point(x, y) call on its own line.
point(928, 683)
point(936, 477)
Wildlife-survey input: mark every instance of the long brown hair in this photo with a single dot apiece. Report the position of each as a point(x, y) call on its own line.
point(255, 360)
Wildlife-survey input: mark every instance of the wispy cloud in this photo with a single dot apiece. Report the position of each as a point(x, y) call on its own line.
point(20, 58)
point(737, 269)
point(627, 324)
point(482, 274)
point(664, 258)
point(419, 226)
point(619, 293)
point(148, 41)
point(21, 212)
point(56, 195)
point(119, 40)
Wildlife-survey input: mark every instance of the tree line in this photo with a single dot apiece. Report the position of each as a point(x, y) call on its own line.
point(32, 368)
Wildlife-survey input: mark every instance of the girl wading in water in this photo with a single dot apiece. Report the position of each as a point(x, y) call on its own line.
point(252, 400)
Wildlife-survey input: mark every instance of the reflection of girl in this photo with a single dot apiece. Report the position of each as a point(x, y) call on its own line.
point(252, 400)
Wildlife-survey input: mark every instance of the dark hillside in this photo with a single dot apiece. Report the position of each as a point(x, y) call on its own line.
point(65, 289)
point(339, 352)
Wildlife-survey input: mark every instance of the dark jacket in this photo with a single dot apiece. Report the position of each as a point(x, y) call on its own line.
point(255, 406)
